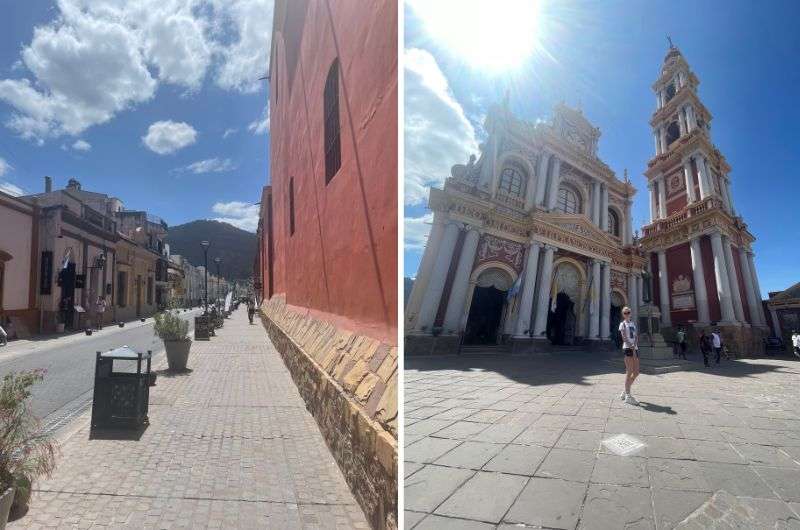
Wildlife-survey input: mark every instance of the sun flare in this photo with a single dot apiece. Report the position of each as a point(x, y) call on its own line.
point(493, 36)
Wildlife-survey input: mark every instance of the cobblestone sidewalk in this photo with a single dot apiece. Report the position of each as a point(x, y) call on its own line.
point(512, 442)
point(230, 445)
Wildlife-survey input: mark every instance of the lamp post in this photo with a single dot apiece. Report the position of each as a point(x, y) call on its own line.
point(205, 244)
point(217, 260)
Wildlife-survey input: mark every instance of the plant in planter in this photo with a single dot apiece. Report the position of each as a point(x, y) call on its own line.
point(174, 330)
point(26, 452)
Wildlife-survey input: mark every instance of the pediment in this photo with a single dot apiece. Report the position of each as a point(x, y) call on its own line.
point(580, 225)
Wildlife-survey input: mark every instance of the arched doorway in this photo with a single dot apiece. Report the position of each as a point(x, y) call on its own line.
point(563, 317)
point(617, 303)
point(487, 309)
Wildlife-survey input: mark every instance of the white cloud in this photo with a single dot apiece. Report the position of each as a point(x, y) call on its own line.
point(261, 125)
point(164, 137)
point(416, 230)
point(437, 132)
point(246, 59)
point(242, 215)
point(82, 145)
point(11, 189)
point(211, 165)
point(98, 58)
point(4, 167)
point(228, 132)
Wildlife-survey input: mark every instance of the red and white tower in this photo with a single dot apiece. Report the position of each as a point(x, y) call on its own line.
point(699, 248)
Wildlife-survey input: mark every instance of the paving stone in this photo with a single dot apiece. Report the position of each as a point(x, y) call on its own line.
point(707, 451)
point(786, 482)
point(735, 479)
point(428, 449)
point(724, 510)
point(673, 506)
point(469, 455)
point(517, 459)
point(677, 474)
point(409, 468)
point(662, 428)
point(437, 522)
point(567, 464)
point(582, 440)
point(609, 506)
point(499, 433)
point(766, 455)
point(427, 427)
point(621, 470)
point(657, 447)
point(461, 430)
point(487, 416)
point(410, 519)
point(428, 487)
point(485, 497)
point(551, 503)
point(537, 436)
point(701, 432)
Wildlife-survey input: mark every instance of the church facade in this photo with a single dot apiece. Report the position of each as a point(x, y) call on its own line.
point(532, 245)
point(698, 247)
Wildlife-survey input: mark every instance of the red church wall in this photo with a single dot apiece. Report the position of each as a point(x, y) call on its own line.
point(340, 264)
point(711, 282)
point(679, 262)
point(676, 204)
point(740, 279)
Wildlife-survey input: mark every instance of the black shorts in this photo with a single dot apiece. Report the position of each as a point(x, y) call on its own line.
point(629, 352)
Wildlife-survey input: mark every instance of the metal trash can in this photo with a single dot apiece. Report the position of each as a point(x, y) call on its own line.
point(121, 398)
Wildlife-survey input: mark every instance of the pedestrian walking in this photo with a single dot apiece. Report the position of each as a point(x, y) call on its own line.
point(716, 339)
point(705, 346)
point(682, 342)
point(251, 309)
point(630, 349)
point(796, 343)
point(100, 309)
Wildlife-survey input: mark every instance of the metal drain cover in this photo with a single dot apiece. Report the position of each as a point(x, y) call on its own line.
point(623, 444)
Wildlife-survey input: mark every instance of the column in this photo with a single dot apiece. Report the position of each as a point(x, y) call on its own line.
point(709, 178)
point(633, 296)
point(699, 280)
point(658, 100)
point(682, 122)
point(424, 271)
point(628, 224)
point(657, 142)
point(640, 289)
point(662, 196)
point(605, 306)
point(653, 204)
point(687, 175)
point(663, 137)
point(738, 309)
point(594, 301)
point(541, 177)
point(604, 207)
point(749, 289)
point(555, 182)
point(596, 203)
point(757, 288)
point(726, 192)
point(776, 325)
point(663, 288)
point(526, 301)
point(433, 292)
point(702, 176)
point(543, 301)
point(692, 119)
point(458, 294)
point(721, 276)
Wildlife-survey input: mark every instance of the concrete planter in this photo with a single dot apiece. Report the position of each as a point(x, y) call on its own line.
point(177, 354)
point(5, 506)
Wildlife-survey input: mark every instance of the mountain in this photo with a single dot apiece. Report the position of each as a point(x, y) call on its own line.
point(235, 246)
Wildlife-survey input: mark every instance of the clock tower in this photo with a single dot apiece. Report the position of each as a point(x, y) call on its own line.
point(699, 249)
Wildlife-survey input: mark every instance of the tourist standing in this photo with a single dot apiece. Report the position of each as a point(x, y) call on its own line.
point(630, 348)
point(705, 346)
point(796, 343)
point(682, 342)
point(717, 343)
point(101, 310)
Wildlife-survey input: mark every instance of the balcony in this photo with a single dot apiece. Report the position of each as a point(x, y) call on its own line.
point(692, 210)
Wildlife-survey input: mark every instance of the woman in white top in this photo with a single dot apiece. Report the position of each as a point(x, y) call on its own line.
point(630, 347)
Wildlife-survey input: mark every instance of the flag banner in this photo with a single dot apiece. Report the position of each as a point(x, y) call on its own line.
point(65, 261)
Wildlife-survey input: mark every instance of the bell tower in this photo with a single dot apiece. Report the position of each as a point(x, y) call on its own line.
point(699, 249)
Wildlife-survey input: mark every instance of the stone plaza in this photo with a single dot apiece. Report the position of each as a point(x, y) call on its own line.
point(516, 442)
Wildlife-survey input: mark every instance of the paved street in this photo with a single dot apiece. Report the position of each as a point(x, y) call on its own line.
point(230, 445)
point(510, 442)
point(69, 361)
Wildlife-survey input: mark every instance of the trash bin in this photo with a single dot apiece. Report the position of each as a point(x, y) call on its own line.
point(121, 397)
point(201, 327)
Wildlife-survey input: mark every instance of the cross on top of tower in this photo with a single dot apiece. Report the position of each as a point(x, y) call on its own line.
point(669, 39)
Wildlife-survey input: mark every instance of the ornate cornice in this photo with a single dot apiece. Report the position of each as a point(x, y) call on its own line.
point(685, 146)
point(682, 96)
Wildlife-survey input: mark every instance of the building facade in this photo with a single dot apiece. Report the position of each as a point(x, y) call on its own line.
point(531, 245)
point(783, 313)
point(699, 249)
point(18, 265)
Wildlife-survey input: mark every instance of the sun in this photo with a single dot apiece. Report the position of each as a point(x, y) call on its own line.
point(492, 36)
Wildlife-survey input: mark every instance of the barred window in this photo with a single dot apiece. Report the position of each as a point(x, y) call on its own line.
point(568, 201)
point(333, 144)
point(511, 180)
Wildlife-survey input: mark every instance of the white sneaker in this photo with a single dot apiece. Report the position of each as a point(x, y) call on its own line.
point(630, 400)
point(622, 396)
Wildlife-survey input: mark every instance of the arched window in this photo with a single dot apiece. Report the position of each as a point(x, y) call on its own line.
point(670, 92)
point(613, 223)
point(568, 200)
point(673, 132)
point(333, 144)
point(511, 180)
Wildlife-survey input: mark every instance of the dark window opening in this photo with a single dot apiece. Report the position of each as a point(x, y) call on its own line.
point(122, 288)
point(613, 223)
point(511, 180)
point(673, 132)
point(46, 273)
point(291, 206)
point(670, 92)
point(568, 201)
point(333, 144)
point(149, 290)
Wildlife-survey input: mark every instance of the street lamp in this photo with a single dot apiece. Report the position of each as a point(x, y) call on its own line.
point(217, 260)
point(205, 244)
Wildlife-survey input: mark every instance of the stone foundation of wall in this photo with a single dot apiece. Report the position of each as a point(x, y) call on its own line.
point(349, 384)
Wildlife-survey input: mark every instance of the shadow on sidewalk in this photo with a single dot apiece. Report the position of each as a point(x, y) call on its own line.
point(118, 434)
point(169, 374)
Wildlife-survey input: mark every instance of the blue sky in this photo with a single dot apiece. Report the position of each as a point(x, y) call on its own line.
point(157, 102)
point(603, 57)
